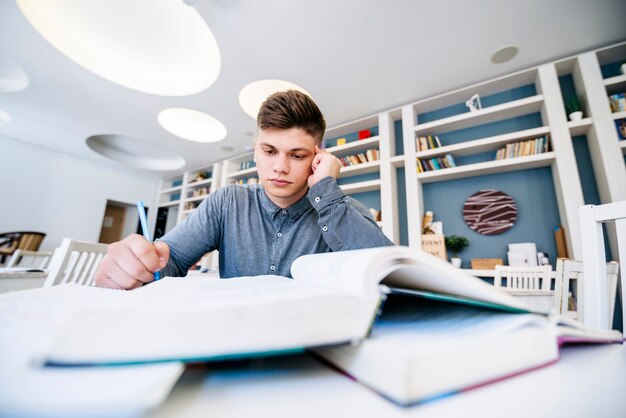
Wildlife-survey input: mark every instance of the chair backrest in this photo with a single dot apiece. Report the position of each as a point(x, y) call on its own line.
point(75, 262)
point(596, 290)
point(531, 277)
point(573, 270)
point(20, 240)
point(31, 259)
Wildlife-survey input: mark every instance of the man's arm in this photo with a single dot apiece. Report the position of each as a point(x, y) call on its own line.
point(200, 233)
point(346, 223)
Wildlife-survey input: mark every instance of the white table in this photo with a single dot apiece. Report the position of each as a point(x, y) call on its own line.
point(589, 381)
point(21, 281)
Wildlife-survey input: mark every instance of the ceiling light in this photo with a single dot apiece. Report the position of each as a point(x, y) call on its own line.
point(504, 54)
point(192, 125)
point(12, 76)
point(4, 117)
point(160, 47)
point(135, 152)
point(254, 94)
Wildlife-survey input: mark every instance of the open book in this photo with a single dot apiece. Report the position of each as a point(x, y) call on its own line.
point(333, 299)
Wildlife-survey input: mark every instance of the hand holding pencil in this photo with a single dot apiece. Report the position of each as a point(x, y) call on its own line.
point(132, 262)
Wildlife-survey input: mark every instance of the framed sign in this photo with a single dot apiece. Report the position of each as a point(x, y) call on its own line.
point(490, 212)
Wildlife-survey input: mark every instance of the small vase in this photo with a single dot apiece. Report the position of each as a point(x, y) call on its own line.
point(576, 115)
point(456, 262)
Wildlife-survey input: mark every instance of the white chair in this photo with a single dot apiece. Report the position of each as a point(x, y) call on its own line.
point(75, 262)
point(596, 290)
point(571, 270)
point(532, 284)
point(30, 259)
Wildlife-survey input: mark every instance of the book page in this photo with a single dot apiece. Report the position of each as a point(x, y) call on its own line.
point(29, 320)
point(360, 271)
point(356, 272)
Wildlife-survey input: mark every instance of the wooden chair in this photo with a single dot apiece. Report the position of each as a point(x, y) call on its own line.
point(571, 270)
point(75, 262)
point(596, 290)
point(30, 259)
point(24, 240)
point(533, 284)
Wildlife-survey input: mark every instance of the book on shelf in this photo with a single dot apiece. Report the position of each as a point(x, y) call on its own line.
point(423, 143)
point(524, 148)
point(617, 102)
point(435, 163)
point(331, 305)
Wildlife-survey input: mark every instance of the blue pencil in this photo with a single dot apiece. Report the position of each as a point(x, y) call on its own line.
point(144, 227)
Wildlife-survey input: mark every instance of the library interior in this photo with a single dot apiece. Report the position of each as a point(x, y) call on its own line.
point(311, 208)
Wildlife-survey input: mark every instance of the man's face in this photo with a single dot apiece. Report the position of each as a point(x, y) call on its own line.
point(283, 160)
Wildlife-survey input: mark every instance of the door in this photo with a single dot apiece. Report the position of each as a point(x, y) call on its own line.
point(112, 224)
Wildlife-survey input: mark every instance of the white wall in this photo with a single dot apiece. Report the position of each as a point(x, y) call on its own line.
point(61, 195)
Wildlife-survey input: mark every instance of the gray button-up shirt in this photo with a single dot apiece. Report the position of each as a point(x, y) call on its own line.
point(254, 236)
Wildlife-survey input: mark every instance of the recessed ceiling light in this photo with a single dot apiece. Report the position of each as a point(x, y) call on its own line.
point(192, 125)
point(159, 47)
point(4, 117)
point(504, 54)
point(12, 76)
point(135, 152)
point(252, 96)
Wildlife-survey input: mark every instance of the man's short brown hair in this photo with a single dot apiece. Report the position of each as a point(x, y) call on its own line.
point(292, 109)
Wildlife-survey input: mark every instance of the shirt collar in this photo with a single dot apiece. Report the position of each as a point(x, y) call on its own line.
point(294, 210)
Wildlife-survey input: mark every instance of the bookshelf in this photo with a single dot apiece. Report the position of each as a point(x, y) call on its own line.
point(374, 183)
point(540, 101)
point(540, 87)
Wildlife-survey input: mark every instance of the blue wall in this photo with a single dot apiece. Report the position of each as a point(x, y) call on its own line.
point(532, 190)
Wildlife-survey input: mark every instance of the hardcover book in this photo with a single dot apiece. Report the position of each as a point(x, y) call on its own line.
point(441, 329)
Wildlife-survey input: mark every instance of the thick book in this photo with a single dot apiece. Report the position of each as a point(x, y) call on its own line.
point(334, 299)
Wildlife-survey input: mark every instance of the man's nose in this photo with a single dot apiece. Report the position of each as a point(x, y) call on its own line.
point(281, 164)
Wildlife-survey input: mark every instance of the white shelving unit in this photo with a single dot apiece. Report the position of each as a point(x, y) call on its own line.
point(607, 153)
point(547, 101)
point(386, 184)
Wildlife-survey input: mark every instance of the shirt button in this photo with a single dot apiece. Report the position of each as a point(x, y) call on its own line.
point(324, 228)
point(280, 234)
point(284, 211)
point(272, 267)
point(317, 199)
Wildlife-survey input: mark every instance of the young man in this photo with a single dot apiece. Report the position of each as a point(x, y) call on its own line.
point(297, 208)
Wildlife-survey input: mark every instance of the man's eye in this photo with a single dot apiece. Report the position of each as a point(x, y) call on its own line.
point(298, 156)
point(270, 151)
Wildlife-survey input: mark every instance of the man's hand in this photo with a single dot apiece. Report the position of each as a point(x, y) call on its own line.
point(324, 164)
point(131, 262)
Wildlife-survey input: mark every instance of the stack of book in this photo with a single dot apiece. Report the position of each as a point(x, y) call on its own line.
point(524, 148)
point(402, 322)
point(424, 143)
point(435, 163)
point(362, 157)
point(617, 102)
point(245, 165)
point(247, 180)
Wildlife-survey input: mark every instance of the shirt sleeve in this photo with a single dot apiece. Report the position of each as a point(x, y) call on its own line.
point(346, 223)
point(199, 234)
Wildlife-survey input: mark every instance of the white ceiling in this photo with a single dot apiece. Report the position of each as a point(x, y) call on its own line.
point(355, 58)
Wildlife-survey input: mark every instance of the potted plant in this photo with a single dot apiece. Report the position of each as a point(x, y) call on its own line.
point(573, 107)
point(456, 244)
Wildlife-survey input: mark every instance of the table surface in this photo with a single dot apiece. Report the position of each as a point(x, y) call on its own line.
point(588, 381)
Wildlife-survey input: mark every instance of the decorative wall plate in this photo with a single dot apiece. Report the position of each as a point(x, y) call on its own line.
point(490, 212)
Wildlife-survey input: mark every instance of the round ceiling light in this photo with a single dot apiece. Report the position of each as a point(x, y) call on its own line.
point(135, 152)
point(12, 76)
point(159, 47)
point(192, 125)
point(252, 96)
point(504, 54)
point(4, 117)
